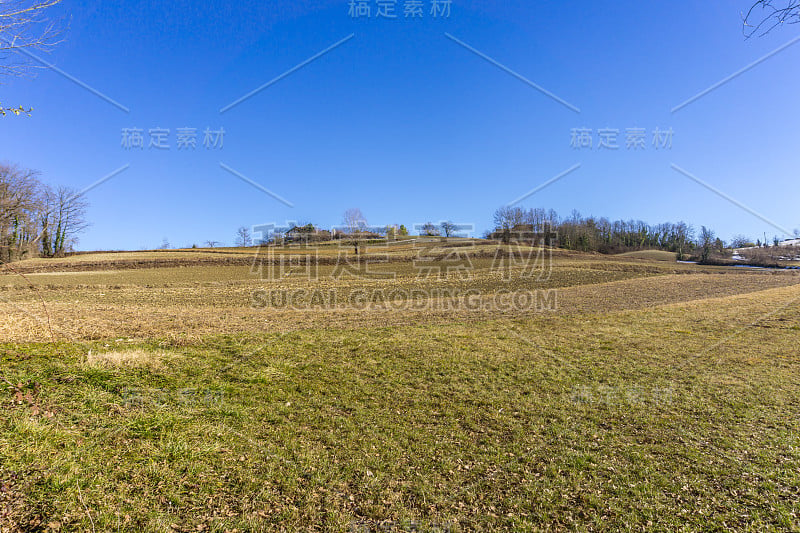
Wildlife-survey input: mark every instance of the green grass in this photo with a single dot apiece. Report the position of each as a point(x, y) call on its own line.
point(652, 255)
point(621, 421)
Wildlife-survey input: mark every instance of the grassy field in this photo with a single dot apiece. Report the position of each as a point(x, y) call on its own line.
point(652, 255)
point(645, 394)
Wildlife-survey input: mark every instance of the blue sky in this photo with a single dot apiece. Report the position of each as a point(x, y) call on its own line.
point(406, 123)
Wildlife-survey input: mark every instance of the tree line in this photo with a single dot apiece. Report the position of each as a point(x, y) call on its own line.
point(37, 220)
point(593, 234)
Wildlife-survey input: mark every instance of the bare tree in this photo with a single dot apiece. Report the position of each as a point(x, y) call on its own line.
point(213, 244)
point(18, 190)
point(448, 228)
point(243, 238)
point(354, 220)
point(740, 241)
point(506, 219)
point(20, 201)
point(429, 229)
point(63, 217)
point(765, 15)
point(706, 243)
point(355, 224)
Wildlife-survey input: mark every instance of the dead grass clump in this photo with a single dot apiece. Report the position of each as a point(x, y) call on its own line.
point(136, 358)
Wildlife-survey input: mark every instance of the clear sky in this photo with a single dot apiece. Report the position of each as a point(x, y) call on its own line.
point(410, 119)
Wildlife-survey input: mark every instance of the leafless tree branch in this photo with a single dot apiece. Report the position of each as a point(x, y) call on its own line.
point(766, 15)
point(24, 25)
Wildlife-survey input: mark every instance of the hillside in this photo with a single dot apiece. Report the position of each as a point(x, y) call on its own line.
point(636, 390)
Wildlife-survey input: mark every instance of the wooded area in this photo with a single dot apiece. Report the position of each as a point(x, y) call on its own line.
point(36, 219)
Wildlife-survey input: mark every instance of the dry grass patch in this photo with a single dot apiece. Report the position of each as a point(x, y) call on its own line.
point(175, 312)
point(131, 358)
